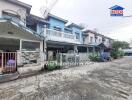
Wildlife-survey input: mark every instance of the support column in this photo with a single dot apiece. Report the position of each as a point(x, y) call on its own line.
point(75, 52)
point(45, 43)
point(93, 49)
point(87, 50)
point(75, 49)
point(19, 53)
point(20, 48)
point(42, 55)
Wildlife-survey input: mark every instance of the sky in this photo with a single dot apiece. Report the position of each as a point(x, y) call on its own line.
point(95, 14)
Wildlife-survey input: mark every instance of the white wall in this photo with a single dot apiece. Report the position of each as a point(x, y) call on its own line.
point(99, 39)
point(107, 42)
point(87, 39)
point(4, 5)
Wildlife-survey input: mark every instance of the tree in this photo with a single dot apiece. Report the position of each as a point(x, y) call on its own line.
point(120, 44)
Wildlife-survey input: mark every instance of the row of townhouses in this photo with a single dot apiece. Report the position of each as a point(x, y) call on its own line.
point(28, 38)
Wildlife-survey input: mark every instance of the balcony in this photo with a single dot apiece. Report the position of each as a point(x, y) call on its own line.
point(54, 35)
point(16, 20)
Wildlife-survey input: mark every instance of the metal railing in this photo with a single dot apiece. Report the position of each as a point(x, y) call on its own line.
point(8, 62)
point(55, 33)
point(16, 20)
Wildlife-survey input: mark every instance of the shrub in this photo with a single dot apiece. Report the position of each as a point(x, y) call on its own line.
point(52, 66)
point(114, 54)
point(94, 57)
point(117, 54)
point(120, 53)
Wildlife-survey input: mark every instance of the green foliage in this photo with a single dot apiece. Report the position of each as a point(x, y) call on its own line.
point(94, 57)
point(120, 44)
point(51, 66)
point(114, 54)
point(117, 54)
point(120, 53)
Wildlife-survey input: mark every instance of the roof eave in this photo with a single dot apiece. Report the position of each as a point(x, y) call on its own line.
point(61, 19)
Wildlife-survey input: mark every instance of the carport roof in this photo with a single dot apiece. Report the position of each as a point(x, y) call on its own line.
point(24, 29)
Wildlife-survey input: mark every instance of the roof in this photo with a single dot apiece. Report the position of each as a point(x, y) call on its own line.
point(69, 29)
point(116, 7)
point(94, 32)
point(58, 18)
point(20, 27)
point(27, 6)
point(38, 19)
point(102, 45)
point(75, 25)
point(91, 31)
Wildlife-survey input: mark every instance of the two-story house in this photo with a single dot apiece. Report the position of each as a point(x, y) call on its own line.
point(19, 44)
point(96, 41)
point(27, 38)
point(61, 38)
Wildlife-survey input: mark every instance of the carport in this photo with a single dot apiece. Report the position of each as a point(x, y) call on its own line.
point(15, 39)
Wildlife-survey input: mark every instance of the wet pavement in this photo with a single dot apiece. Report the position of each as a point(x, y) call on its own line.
point(96, 81)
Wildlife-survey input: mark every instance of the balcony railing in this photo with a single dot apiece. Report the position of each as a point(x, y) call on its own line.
point(61, 36)
point(16, 20)
point(53, 33)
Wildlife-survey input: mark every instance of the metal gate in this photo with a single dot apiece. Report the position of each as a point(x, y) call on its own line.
point(8, 62)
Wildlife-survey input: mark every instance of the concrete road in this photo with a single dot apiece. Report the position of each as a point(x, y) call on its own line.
point(97, 81)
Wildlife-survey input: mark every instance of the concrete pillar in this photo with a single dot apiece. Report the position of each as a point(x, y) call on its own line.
point(75, 49)
point(87, 50)
point(20, 47)
point(45, 43)
point(93, 49)
point(19, 54)
point(42, 55)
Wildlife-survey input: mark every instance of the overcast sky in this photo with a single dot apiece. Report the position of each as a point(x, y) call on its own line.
point(94, 13)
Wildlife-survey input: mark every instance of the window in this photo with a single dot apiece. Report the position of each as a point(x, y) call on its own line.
point(96, 39)
point(91, 39)
point(77, 35)
point(30, 46)
point(57, 28)
point(99, 40)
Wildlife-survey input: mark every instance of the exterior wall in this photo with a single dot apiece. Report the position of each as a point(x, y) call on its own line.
point(107, 42)
point(68, 30)
point(40, 28)
point(56, 23)
point(76, 30)
point(89, 40)
point(67, 36)
point(4, 5)
point(99, 39)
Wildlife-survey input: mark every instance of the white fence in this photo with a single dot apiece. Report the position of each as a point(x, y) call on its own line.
point(71, 60)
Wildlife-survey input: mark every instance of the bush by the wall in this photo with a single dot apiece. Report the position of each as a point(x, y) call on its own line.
point(94, 57)
point(117, 54)
point(52, 66)
point(120, 53)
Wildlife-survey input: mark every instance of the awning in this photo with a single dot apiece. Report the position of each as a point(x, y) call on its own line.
point(9, 28)
point(101, 45)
